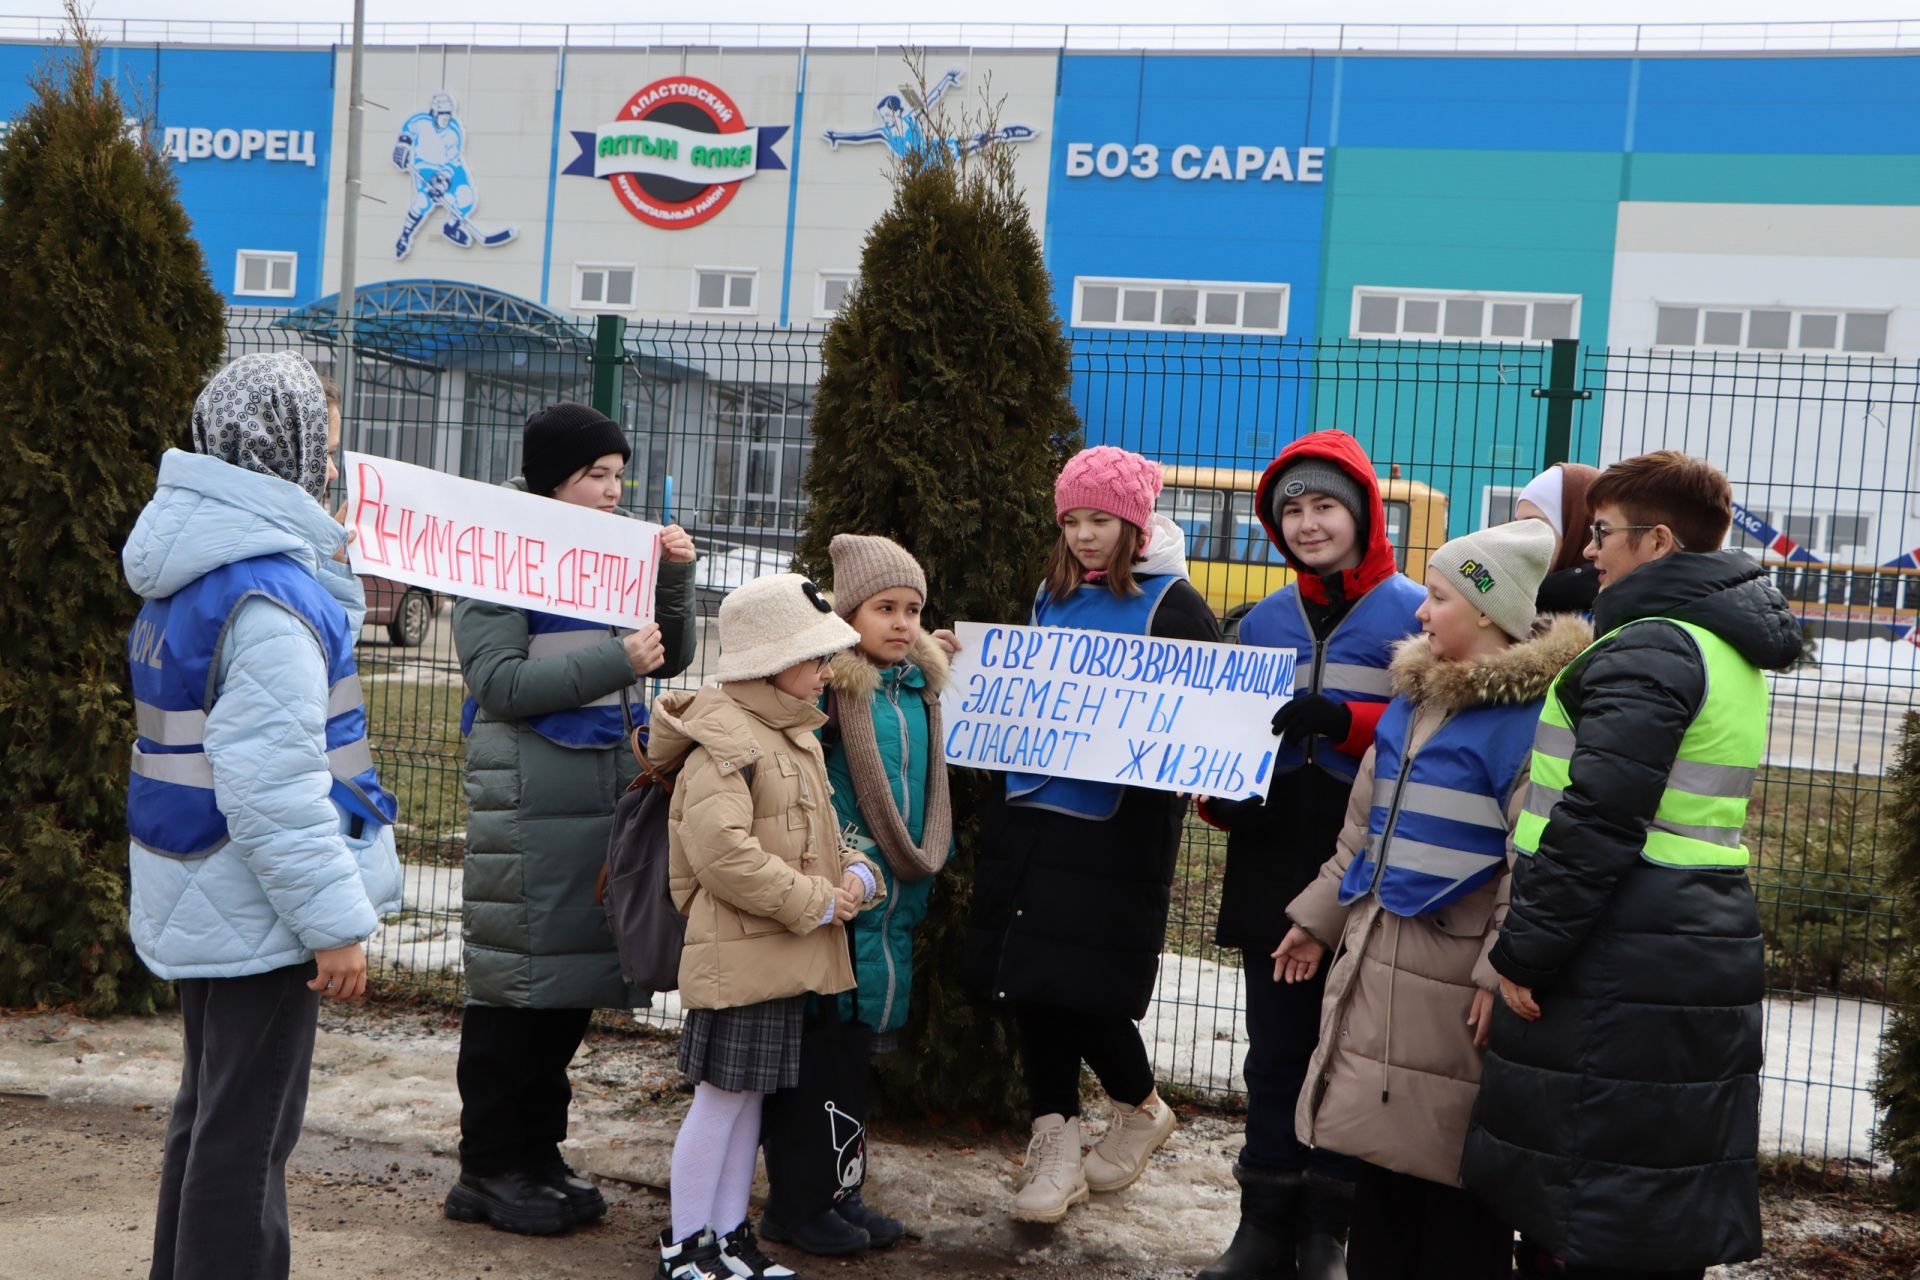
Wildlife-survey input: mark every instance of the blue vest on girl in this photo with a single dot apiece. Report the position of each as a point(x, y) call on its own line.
point(1349, 666)
point(1091, 608)
point(600, 723)
point(174, 651)
point(1439, 824)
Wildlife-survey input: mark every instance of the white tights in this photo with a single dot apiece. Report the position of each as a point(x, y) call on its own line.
point(713, 1158)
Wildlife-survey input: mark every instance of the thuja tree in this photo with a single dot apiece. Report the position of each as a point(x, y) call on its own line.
point(109, 326)
point(941, 418)
point(1897, 1086)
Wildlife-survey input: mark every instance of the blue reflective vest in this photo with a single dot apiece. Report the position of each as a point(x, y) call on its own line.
point(174, 651)
point(597, 724)
point(1091, 608)
point(1350, 665)
point(1438, 828)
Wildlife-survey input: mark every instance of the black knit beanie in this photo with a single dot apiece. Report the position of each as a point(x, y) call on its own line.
point(563, 438)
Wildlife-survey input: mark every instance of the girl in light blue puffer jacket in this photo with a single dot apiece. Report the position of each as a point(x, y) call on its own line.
point(262, 842)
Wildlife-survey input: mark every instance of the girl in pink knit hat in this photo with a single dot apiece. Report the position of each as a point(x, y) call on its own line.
point(1072, 878)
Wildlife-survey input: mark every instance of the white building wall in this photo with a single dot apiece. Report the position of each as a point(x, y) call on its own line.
point(1807, 435)
point(505, 106)
point(515, 151)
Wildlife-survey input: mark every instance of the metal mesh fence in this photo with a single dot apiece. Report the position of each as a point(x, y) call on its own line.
point(1820, 452)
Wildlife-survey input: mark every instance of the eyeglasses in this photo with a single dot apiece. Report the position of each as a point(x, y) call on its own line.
point(1598, 532)
point(825, 667)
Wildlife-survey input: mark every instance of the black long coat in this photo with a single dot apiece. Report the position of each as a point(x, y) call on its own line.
point(1072, 913)
point(1622, 1128)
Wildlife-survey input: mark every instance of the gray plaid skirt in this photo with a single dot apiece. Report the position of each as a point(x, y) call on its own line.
point(752, 1049)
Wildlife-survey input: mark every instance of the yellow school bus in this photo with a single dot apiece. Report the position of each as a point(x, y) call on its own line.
point(1235, 565)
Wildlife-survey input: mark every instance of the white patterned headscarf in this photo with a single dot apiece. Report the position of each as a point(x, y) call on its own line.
point(267, 412)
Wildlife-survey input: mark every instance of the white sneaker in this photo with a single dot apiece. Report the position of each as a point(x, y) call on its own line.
point(1055, 1181)
point(1135, 1134)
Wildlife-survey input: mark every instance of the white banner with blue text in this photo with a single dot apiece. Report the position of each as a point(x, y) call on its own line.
point(1138, 711)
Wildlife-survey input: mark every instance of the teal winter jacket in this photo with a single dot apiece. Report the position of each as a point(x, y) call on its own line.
point(882, 939)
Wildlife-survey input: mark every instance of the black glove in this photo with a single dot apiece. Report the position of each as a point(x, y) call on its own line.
point(1311, 713)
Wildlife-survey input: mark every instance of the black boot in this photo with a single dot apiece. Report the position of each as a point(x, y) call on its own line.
point(1324, 1209)
point(826, 1234)
point(1262, 1247)
point(882, 1232)
point(512, 1201)
point(584, 1202)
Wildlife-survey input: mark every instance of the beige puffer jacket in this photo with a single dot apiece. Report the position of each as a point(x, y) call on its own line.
point(1394, 1076)
point(752, 870)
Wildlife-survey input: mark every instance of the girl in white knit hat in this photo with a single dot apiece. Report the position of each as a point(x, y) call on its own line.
point(757, 866)
point(1413, 898)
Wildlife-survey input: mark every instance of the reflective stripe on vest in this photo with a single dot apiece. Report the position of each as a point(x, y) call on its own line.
point(1703, 808)
point(1091, 608)
point(1350, 665)
point(1438, 826)
point(592, 725)
point(174, 654)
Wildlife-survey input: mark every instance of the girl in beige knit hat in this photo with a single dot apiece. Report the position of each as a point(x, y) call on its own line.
point(884, 758)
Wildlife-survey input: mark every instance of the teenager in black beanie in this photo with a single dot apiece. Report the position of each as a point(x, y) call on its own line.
point(565, 437)
point(551, 701)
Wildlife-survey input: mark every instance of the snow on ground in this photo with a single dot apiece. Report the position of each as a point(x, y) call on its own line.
point(1820, 1050)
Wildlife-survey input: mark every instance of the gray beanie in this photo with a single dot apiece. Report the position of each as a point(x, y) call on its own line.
point(1499, 570)
point(1317, 475)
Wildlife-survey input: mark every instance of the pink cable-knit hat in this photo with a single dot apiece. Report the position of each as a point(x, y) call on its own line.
point(1111, 480)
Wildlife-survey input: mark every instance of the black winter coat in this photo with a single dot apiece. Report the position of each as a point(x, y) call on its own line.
point(1621, 1128)
point(1072, 913)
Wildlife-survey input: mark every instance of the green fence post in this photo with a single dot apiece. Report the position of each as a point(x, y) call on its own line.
point(1560, 394)
point(609, 353)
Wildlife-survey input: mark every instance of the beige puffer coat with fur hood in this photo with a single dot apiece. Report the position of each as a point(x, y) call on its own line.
point(752, 868)
point(1395, 1073)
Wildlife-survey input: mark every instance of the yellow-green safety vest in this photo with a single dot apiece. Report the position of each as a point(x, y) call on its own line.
point(1704, 807)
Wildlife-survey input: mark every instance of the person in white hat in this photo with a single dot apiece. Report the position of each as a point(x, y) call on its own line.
point(757, 865)
point(1414, 895)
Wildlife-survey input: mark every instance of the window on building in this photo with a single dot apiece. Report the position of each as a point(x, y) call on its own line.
point(1210, 306)
point(761, 444)
point(1775, 328)
point(1849, 538)
point(261, 274)
point(728, 290)
point(1464, 315)
point(831, 289)
point(603, 286)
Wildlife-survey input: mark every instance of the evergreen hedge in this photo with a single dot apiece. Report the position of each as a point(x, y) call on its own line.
point(942, 416)
point(109, 327)
point(1896, 1087)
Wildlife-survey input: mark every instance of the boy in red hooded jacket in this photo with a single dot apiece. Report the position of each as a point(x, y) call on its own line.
point(1342, 615)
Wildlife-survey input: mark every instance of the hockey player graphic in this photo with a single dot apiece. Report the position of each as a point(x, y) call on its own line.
point(431, 148)
point(903, 128)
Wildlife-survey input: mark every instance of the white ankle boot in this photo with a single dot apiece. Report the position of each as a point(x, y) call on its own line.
point(1055, 1181)
point(1135, 1134)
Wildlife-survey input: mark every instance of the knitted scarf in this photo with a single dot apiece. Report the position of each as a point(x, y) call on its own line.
point(874, 790)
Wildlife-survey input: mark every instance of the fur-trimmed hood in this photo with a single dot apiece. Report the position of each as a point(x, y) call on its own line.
point(854, 676)
point(1519, 673)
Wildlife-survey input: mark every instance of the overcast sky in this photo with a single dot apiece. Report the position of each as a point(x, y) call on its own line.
point(1090, 11)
